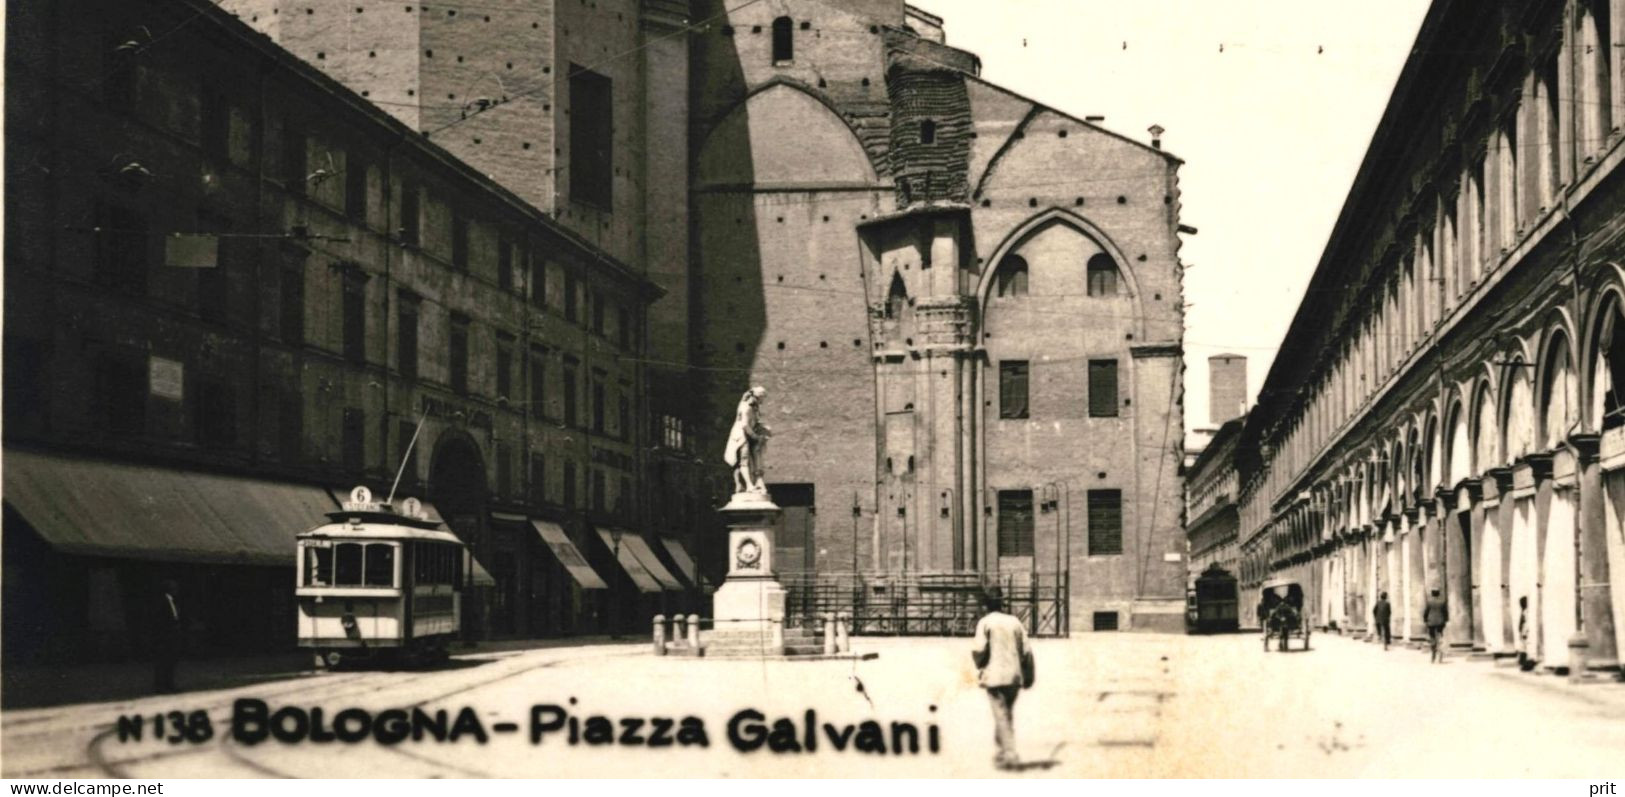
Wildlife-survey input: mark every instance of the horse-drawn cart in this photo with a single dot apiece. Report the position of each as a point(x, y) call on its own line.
point(1280, 613)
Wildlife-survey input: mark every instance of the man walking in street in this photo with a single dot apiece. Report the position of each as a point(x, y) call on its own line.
point(1526, 661)
point(166, 642)
point(1380, 615)
point(1435, 614)
point(1004, 667)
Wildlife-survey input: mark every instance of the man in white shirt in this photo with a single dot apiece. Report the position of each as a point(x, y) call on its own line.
point(1001, 647)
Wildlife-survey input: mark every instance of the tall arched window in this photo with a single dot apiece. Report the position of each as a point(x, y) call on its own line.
point(1561, 397)
point(783, 41)
point(1608, 380)
point(1102, 275)
point(1012, 277)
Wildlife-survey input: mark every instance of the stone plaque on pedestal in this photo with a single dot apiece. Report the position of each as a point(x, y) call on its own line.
point(749, 606)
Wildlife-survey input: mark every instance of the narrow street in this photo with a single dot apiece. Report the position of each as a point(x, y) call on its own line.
point(1104, 705)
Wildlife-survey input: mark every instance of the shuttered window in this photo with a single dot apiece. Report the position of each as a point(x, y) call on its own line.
point(457, 343)
point(1102, 388)
point(1105, 522)
point(406, 334)
point(355, 438)
point(505, 343)
point(538, 382)
point(355, 315)
point(1015, 522)
point(1013, 389)
point(538, 479)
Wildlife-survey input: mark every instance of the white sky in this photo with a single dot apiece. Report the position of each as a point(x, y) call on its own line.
point(1272, 129)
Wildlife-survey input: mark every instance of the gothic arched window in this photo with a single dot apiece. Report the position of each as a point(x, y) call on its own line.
point(1012, 277)
point(1103, 279)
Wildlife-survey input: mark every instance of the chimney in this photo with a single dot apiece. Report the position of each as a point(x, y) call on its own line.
point(1156, 135)
point(1227, 387)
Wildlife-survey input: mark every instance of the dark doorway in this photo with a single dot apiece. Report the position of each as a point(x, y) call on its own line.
point(792, 540)
point(505, 596)
point(457, 487)
point(1460, 577)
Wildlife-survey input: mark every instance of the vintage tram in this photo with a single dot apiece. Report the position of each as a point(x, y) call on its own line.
point(1213, 603)
point(374, 582)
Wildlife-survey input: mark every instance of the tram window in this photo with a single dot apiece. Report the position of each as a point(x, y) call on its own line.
point(380, 565)
point(318, 566)
point(347, 560)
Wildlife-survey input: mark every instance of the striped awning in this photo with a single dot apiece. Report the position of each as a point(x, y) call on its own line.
point(93, 507)
point(629, 562)
point(679, 556)
point(650, 561)
point(568, 555)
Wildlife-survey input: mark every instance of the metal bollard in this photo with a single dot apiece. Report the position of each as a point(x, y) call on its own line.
point(660, 635)
point(679, 630)
point(829, 633)
point(843, 641)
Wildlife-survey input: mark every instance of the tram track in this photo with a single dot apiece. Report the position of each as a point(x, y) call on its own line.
point(96, 753)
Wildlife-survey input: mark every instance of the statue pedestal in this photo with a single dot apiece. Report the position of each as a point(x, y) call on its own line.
point(748, 609)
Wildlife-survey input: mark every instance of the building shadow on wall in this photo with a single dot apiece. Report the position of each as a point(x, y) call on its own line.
point(727, 303)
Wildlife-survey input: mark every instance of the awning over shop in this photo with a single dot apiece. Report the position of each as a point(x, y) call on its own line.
point(629, 562)
point(94, 507)
point(680, 556)
point(478, 576)
point(568, 555)
point(646, 557)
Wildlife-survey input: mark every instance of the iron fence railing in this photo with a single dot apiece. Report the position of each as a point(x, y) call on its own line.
point(924, 604)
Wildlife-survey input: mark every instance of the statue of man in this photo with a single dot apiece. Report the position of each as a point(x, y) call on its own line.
point(747, 442)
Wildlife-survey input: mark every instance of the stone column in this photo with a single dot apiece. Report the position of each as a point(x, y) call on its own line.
point(1497, 486)
point(1530, 479)
point(1559, 564)
point(1597, 619)
point(1415, 579)
point(1455, 574)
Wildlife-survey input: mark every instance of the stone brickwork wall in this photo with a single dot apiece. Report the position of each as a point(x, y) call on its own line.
point(888, 350)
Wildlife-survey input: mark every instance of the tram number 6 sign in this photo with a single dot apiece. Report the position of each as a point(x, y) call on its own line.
point(180, 727)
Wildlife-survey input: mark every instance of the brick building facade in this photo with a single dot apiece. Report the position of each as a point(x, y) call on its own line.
point(1444, 412)
point(1004, 346)
point(233, 284)
point(966, 305)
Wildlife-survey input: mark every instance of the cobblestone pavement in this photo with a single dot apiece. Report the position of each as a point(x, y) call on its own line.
point(1104, 705)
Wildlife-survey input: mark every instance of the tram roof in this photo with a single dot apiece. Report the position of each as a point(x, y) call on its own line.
point(380, 526)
